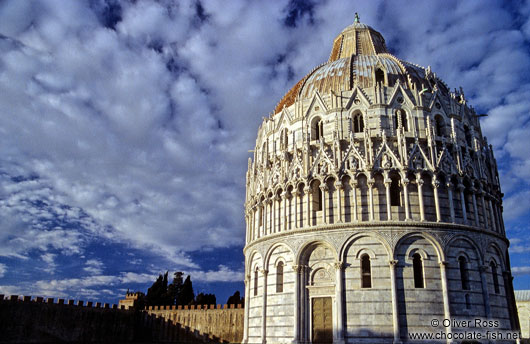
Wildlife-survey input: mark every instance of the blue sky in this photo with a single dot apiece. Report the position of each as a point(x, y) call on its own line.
point(125, 125)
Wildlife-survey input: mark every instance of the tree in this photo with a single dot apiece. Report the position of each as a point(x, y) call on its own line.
point(186, 295)
point(157, 293)
point(235, 299)
point(205, 299)
point(175, 288)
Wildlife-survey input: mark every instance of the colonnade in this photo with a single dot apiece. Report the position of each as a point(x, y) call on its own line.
point(301, 330)
point(346, 200)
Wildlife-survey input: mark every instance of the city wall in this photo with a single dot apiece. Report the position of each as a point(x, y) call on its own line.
point(220, 323)
point(38, 320)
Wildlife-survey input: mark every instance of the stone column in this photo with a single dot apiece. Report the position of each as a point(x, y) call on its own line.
point(406, 196)
point(263, 219)
point(507, 277)
point(264, 308)
point(324, 189)
point(460, 188)
point(475, 209)
point(247, 307)
point(485, 292)
point(247, 223)
point(255, 214)
point(266, 217)
point(354, 195)
point(445, 291)
point(501, 221)
point(371, 184)
point(307, 191)
point(497, 218)
point(296, 311)
point(338, 187)
point(339, 300)
point(295, 213)
point(285, 215)
point(420, 182)
point(251, 224)
point(303, 299)
point(435, 185)
point(451, 204)
point(395, 301)
point(388, 182)
point(492, 216)
point(273, 213)
point(483, 205)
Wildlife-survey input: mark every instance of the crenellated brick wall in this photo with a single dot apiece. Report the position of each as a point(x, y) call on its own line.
point(223, 323)
point(25, 319)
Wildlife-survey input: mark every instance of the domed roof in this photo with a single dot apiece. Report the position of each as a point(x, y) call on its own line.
point(357, 52)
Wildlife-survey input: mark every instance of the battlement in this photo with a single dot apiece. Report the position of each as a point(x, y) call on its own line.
point(51, 300)
point(224, 322)
point(193, 307)
point(134, 296)
point(214, 323)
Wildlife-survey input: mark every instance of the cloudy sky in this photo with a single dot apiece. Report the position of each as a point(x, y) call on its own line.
point(125, 125)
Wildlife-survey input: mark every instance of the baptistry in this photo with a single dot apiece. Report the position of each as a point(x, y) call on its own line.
point(373, 207)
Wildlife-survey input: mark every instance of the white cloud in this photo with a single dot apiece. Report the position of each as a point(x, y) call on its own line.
point(521, 270)
point(223, 274)
point(94, 286)
point(94, 266)
point(3, 270)
point(517, 205)
point(49, 259)
point(519, 246)
point(139, 135)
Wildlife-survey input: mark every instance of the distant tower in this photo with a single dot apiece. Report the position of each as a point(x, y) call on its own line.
point(373, 206)
point(131, 299)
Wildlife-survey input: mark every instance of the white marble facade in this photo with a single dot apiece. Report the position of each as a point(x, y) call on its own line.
point(372, 186)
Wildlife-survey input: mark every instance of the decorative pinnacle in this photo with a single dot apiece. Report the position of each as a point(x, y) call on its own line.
point(357, 20)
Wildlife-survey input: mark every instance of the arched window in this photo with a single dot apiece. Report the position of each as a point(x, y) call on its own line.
point(316, 129)
point(284, 139)
point(395, 193)
point(279, 278)
point(400, 120)
point(464, 277)
point(358, 123)
point(319, 205)
point(468, 301)
point(495, 278)
point(404, 122)
point(417, 266)
point(366, 272)
point(264, 151)
point(316, 195)
point(256, 282)
point(467, 134)
point(439, 125)
point(379, 76)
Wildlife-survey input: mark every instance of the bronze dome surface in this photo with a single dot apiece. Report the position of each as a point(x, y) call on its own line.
point(357, 52)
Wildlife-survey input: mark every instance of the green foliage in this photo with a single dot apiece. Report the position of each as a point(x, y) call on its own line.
point(205, 299)
point(176, 293)
point(157, 293)
point(186, 296)
point(235, 299)
point(175, 288)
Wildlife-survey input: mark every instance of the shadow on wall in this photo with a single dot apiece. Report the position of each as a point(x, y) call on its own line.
point(34, 321)
point(368, 336)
